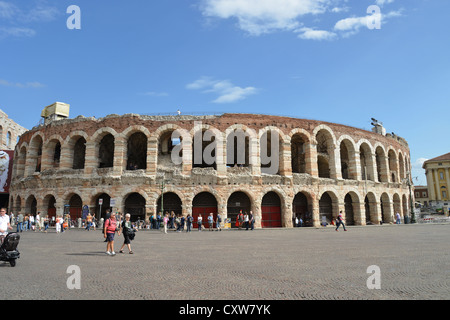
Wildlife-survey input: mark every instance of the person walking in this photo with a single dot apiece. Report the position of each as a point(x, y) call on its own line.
point(88, 222)
point(246, 224)
point(127, 229)
point(211, 221)
point(251, 218)
point(110, 231)
point(188, 223)
point(339, 221)
point(46, 223)
point(199, 222)
point(37, 223)
point(398, 218)
point(218, 222)
point(165, 221)
point(20, 222)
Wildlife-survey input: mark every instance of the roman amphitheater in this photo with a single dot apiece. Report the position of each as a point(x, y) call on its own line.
point(125, 163)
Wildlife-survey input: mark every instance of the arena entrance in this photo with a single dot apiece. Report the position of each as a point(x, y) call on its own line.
point(204, 203)
point(300, 209)
point(326, 208)
point(271, 211)
point(237, 202)
point(75, 207)
point(170, 202)
point(135, 206)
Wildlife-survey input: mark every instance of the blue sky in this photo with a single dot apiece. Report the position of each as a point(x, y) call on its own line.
point(313, 59)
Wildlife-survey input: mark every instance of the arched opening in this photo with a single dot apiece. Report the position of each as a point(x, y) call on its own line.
point(204, 203)
point(348, 166)
point(35, 153)
point(79, 154)
point(401, 164)
point(300, 209)
point(298, 154)
point(349, 210)
point(381, 165)
point(106, 152)
point(271, 152)
point(392, 159)
point(237, 202)
point(137, 151)
point(50, 203)
point(31, 205)
point(397, 205)
point(75, 207)
point(365, 159)
point(271, 210)
point(204, 152)
point(326, 209)
point(169, 202)
point(238, 149)
point(386, 211)
point(135, 206)
point(324, 153)
point(166, 144)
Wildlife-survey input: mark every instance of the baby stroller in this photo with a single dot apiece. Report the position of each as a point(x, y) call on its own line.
point(8, 249)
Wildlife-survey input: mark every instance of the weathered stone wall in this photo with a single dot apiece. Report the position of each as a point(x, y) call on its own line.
point(58, 179)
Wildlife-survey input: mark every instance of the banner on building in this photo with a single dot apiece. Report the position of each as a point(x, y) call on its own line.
point(6, 163)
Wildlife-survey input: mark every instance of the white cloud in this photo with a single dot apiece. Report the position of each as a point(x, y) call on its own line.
point(382, 2)
point(21, 85)
point(257, 17)
point(353, 24)
point(17, 22)
point(227, 91)
point(16, 32)
point(264, 16)
point(311, 34)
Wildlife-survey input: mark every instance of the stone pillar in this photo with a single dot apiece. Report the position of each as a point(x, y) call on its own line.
point(152, 156)
point(311, 159)
point(91, 159)
point(315, 212)
point(119, 161)
point(334, 162)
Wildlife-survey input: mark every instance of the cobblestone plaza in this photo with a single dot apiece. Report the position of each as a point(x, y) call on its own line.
point(264, 264)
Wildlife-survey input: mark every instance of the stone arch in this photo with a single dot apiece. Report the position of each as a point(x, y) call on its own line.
point(325, 141)
point(393, 165)
point(207, 146)
point(74, 150)
point(239, 200)
point(347, 150)
point(240, 137)
point(381, 164)
point(352, 208)
point(51, 155)
point(34, 156)
point(328, 206)
point(368, 167)
point(386, 208)
point(49, 206)
point(300, 141)
point(371, 208)
point(136, 150)
point(204, 203)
